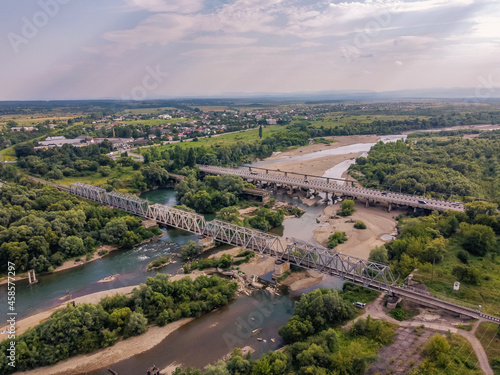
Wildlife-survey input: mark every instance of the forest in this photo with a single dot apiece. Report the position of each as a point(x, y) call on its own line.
point(456, 168)
point(41, 227)
point(463, 246)
point(86, 327)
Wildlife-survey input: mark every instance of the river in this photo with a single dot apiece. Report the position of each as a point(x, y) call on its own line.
point(206, 338)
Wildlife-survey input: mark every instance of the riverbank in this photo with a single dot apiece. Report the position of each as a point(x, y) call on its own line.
point(360, 242)
point(317, 165)
point(72, 263)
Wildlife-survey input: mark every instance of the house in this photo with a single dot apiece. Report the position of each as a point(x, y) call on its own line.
point(271, 121)
point(23, 128)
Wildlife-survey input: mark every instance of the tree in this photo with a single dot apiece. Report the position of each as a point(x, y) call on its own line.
point(379, 254)
point(72, 246)
point(477, 239)
point(137, 324)
point(260, 131)
point(114, 231)
point(229, 214)
point(191, 158)
point(473, 209)
point(190, 250)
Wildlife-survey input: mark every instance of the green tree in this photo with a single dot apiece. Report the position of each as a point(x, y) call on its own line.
point(190, 250)
point(229, 214)
point(72, 246)
point(379, 254)
point(477, 239)
point(260, 131)
point(137, 325)
point(114, 231)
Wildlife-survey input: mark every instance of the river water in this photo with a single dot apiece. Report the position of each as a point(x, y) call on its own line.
point(211, 336)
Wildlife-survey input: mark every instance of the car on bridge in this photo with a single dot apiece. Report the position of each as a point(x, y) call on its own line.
point(421, 201)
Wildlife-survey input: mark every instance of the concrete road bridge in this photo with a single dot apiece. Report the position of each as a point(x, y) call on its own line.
point(362, 272)
point(324, 185)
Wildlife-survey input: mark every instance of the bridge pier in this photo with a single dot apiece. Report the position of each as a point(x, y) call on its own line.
point(390, 207)
point(367, 203)
point(280, 267)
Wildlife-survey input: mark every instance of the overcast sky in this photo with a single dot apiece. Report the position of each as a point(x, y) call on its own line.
point(82, 49)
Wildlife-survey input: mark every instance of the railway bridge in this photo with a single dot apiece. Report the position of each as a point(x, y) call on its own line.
point(325, 185)
point(362, 272)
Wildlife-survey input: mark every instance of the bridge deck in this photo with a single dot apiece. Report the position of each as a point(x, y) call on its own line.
point(336, 189)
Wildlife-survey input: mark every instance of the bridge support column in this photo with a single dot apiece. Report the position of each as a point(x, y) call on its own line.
point(327, 180)
point(31, 277)
point(414, 209)
point(367, 203)
point(326, 197)
point(280, 267)
point(389, 208)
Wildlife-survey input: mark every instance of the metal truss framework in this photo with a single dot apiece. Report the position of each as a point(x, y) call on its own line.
point(369, 274)
point(359, 271)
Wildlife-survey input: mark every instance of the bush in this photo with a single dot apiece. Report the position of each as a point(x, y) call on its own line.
point(463, 256)
point(469, 275)
point(336, 239)
point(359, 225)
point(347, 207)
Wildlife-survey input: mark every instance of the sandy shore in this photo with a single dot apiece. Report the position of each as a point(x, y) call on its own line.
point(313, 167)
point(360, 241)
point(318, 166)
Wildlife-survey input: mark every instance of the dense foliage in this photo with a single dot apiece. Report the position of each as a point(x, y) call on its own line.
point(40, 227)
point(442, 167)
point(88, 327)
point(211, 194)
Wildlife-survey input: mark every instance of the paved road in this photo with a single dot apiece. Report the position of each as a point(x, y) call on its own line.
point(323, 186)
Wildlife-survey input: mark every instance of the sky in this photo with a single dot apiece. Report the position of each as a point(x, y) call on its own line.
point(147, 49)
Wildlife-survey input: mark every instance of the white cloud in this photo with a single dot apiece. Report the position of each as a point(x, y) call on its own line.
point(398, 62)
point(160, 6)
point(224, 39)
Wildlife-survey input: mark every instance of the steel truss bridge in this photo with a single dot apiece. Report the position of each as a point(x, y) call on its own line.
point(323, 184)
point(362, 272)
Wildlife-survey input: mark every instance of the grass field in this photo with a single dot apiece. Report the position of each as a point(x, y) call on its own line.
point(248, 136)
point(141, 111)
point(124, 174)
point(489, 335)
point(487, 294)
point(340, 119)
point(24, 120)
